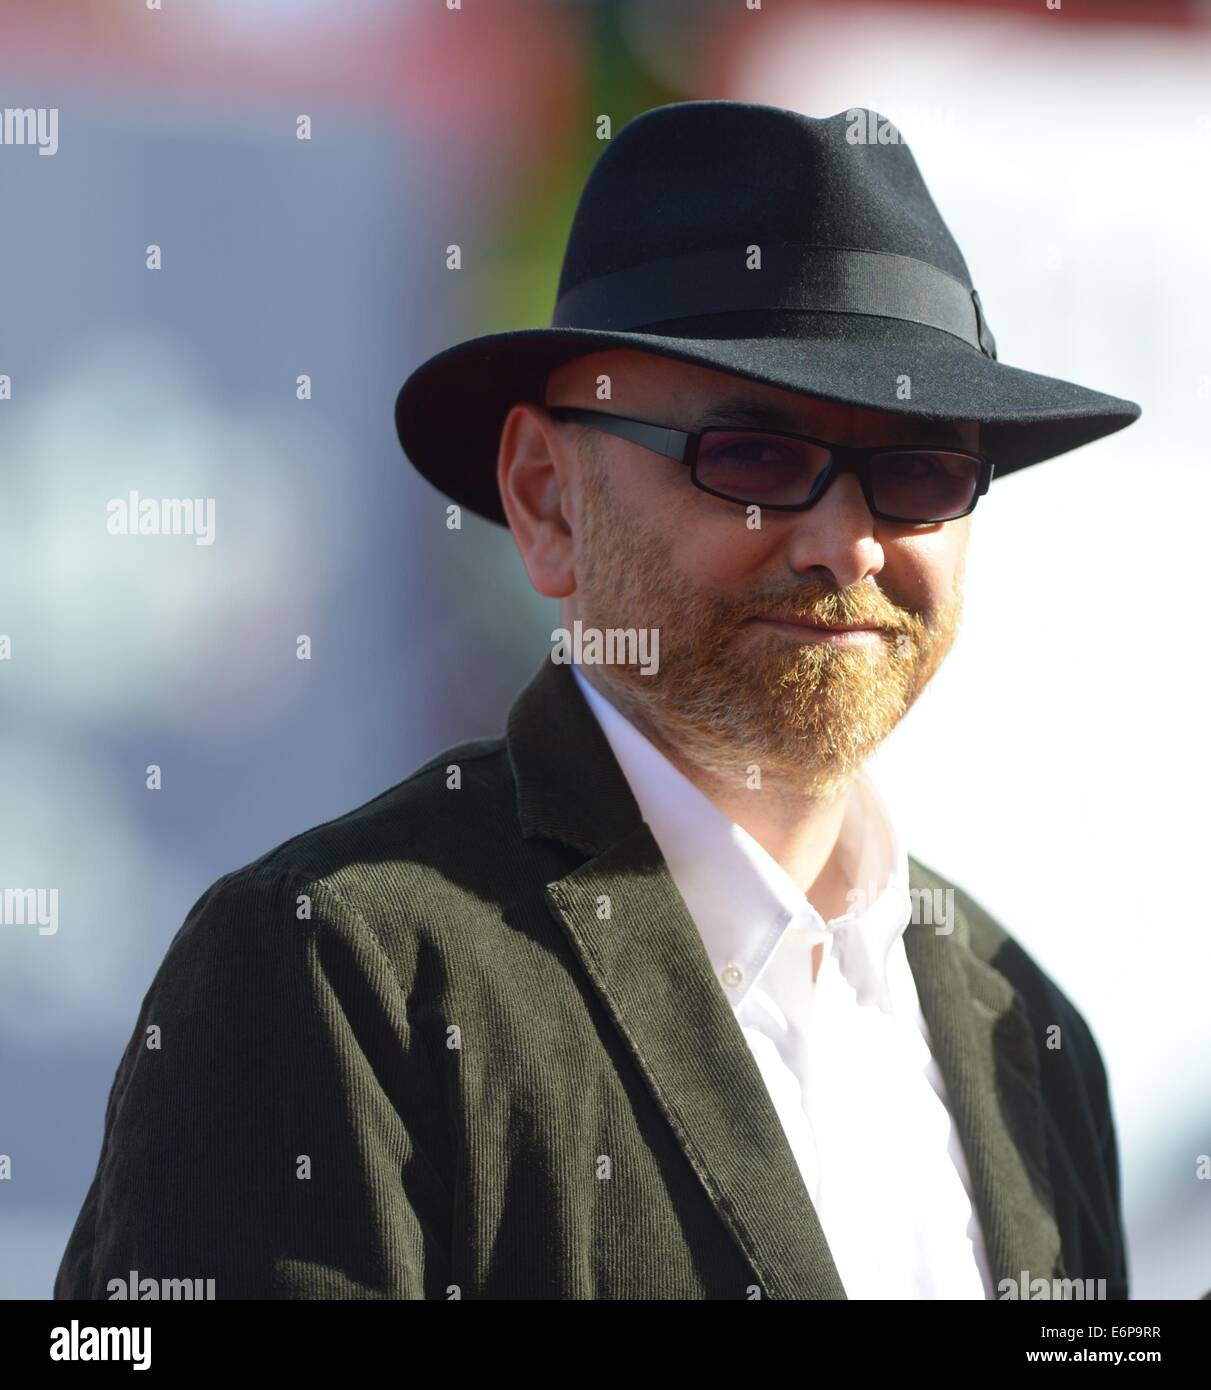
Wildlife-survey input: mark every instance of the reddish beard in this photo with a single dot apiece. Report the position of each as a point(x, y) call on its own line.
point(730, 694)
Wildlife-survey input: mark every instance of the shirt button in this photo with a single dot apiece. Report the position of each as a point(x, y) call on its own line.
point(731, 975)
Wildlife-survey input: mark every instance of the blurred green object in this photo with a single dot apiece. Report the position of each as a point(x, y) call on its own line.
point(532, 235)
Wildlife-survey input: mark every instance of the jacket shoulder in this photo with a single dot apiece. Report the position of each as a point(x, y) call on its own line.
point(420, 854)
point(397, 819)
point(995, 945)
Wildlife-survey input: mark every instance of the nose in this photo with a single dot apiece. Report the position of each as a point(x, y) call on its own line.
point(837, 533)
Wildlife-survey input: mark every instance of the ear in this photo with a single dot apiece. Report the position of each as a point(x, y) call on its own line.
point(536, 471)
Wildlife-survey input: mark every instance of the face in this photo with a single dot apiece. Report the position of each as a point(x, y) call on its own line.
point(624, 539)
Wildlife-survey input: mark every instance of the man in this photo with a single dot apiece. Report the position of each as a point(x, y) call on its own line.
point(646, 999)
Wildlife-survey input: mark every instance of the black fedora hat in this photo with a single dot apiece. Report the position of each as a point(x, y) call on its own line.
point(797, 252)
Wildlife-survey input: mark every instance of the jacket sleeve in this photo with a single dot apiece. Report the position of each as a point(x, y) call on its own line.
point(1118, 1277)
point(272, 1124)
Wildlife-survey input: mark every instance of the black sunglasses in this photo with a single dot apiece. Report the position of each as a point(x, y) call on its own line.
point(918, 484)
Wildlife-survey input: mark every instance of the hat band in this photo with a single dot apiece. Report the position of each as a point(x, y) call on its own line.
point(832, 280)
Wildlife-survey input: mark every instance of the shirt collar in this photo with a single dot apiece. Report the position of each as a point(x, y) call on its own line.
point(740, 897)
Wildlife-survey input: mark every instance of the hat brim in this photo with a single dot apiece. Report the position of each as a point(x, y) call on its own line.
point(450, 410)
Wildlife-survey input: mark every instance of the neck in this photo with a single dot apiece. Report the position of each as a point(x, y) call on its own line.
point(794, 814)
point(800, 831)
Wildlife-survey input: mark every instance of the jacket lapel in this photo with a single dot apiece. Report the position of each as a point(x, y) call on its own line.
point(982, 1039)
point(639, 946)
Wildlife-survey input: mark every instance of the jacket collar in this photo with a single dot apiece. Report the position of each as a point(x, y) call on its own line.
point(640, 948)
point(741, 899)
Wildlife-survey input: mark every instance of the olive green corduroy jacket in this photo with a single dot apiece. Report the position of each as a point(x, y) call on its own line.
point(465, 1041)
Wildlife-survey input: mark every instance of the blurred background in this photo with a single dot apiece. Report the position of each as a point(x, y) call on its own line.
point(1067, 149)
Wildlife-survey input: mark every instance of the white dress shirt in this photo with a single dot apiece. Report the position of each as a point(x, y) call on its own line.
point(846, 1058)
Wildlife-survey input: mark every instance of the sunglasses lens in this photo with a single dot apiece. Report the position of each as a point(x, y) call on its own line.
point(907, 484)
point(748, 466)
point(923, 484)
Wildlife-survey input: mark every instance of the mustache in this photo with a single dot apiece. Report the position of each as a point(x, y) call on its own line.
point(822, 604)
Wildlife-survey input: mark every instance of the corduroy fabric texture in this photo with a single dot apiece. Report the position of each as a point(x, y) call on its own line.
point(493, 1062)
